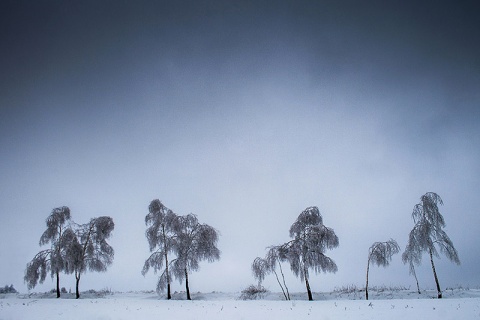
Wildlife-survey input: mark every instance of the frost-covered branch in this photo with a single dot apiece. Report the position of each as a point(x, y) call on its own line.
point(428, 234)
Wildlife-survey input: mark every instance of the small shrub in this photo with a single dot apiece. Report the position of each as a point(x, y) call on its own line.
point(8, 289)
point(63, 290)
point(253, 292)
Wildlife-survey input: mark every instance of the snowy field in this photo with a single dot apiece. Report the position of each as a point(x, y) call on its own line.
point(384, 304)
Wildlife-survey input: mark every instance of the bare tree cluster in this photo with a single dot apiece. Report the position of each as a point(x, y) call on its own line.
point(73, 248)
point(427, 236)
point(311, 239)
point(184, 238)
point(305, 252)
point(179, 243)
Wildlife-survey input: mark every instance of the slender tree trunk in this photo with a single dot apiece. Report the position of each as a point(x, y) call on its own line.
point(418, 287)
point(77, 292)
point(278, 280)
point(78, 273)
point(58, 283)
point(416, 279)
point(435, 275)
point(186, 285)
point(310, 297)
point(366, 285)
point(169, 295)
point(283, 277)
point(57, 272)
point(307, 284)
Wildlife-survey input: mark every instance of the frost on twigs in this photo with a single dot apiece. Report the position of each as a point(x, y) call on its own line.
point(54, 259)
point(311, 239)
point(178, 245)
point(161, 237)
point(89, 249)
point(428, 236)
point(380, 253)
point(195, 242)
point(261, 267)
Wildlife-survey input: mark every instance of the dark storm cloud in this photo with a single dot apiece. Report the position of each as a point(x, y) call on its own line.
point(389, 40)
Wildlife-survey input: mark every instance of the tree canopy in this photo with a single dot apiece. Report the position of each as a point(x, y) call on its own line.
point(311, 239)
point(195, 242)
point(55, 258)
point(89, 249)
point(160, 236)
point(380, 253)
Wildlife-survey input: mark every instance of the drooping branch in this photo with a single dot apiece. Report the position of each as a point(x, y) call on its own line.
point(428, 234)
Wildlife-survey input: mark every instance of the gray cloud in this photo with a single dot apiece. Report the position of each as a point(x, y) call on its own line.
point(244, 114)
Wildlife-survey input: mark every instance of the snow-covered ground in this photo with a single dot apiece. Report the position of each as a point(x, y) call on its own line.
point(384, 304)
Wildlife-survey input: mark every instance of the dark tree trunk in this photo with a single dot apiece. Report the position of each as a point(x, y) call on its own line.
point(169, 295)
point(307, 284)
point(77, 292)
point(435, 276)
point(58, 283)
point(366, 285)
point(305, 269)
point(310, 297)
point(186, 285)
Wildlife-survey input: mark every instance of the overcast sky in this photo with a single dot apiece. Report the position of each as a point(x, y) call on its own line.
point(243, 114)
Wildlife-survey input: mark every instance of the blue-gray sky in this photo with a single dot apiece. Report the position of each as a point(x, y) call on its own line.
point(244, 114)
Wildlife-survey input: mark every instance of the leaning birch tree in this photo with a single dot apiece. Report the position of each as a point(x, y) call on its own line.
point(428, 235)
point(263, 266)
point(380, 253)
point(411, 257)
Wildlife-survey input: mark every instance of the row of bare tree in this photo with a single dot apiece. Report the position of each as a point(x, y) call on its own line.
point(179, 243)
point(306, 251)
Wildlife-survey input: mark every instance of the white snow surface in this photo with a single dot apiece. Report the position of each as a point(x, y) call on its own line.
point(384, 304)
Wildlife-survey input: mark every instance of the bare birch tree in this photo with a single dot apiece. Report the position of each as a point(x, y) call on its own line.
point(411, 257)
point(195, 242)
point(380, 253)
point(53, 259)
point(311, 238)
point(89, 250)
point(263, 266)
point(428, 234)
point(161, 236)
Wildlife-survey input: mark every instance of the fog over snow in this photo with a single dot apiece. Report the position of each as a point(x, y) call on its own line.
point(243, 113)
